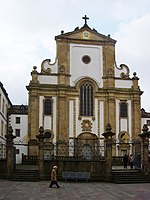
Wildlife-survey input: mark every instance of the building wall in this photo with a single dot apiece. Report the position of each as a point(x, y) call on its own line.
point(78, 69)
point(19, 123)
point(4, 104)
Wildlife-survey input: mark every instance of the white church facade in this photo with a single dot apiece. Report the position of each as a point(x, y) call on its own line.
point(75, 97)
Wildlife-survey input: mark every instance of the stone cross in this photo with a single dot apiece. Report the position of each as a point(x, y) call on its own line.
point(85, 18)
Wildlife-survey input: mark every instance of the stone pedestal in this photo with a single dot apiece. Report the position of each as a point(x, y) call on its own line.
point(145, 135)
point(41, 152)
point(108, 151)
point(10, 151)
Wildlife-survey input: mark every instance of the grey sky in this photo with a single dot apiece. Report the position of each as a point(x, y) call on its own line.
point(28, 28)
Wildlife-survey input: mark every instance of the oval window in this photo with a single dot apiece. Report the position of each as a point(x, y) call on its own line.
point(86, 59)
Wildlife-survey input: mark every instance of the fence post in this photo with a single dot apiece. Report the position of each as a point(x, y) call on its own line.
point(41, 152)
point(108, 151)
point(145, 135)
point(9, 151)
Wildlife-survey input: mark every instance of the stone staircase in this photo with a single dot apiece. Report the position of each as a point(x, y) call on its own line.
point(129, 176)
point(25, 174)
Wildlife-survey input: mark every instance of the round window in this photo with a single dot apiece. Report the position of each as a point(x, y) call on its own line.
point(86, 59)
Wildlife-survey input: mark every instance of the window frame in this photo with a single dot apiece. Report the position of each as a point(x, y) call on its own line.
point(123, 109)
point(18, 120)
point(86, 98)
point(50, 106)
point(17, 132)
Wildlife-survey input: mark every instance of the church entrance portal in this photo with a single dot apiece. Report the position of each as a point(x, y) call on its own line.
point(87, 146)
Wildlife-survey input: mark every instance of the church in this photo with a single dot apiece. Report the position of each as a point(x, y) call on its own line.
point(75, 97)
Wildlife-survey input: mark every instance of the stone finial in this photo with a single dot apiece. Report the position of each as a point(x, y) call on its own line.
point(34, 75)
point(145, 135)
point(145, 128)
point(135, 76)
point(41, 135)
point(108, 134)
point(34, 71)
point(41, 130)
point(10, 130)
point(108, 127)
point(9, 135)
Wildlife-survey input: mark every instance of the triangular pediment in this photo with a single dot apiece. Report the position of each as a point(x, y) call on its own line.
point(85, 33)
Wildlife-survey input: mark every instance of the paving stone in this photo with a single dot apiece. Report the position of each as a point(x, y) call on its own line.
point(10, 190)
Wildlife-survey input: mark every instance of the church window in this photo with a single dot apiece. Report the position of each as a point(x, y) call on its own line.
point(48, 105)
point(86, 100)
point(123, 109)
point(86, 59)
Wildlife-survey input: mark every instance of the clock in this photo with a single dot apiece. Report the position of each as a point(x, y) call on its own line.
point(86, 35)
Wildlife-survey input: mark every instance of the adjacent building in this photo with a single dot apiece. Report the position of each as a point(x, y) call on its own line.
point(18, 119)
point(5, 103)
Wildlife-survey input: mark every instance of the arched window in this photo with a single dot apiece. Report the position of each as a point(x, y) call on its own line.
point(48, 107)
point(86, 99)
point(123, 109)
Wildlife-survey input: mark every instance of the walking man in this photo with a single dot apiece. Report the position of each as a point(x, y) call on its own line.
point(54, 177)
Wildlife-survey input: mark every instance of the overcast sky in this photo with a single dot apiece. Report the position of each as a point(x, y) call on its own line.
point(28, 28)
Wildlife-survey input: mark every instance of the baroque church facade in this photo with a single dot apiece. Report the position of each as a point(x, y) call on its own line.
point(75, 97)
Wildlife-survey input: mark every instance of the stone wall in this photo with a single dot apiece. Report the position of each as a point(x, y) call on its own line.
point(3, 168)
point(97, 168)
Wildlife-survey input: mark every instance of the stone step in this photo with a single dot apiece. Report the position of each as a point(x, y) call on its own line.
point(129, 176)
point(25, 175)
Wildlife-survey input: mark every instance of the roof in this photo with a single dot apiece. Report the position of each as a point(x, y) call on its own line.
point(5, 93)
point(18, 109)
point(144, 114)
point(78, 32)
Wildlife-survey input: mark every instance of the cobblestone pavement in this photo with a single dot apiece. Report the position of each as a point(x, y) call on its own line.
point(10, 190)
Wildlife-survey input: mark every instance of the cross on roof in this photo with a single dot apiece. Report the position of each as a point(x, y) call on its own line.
point(85, 18)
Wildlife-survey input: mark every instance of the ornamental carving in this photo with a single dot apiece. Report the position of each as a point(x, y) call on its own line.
point(125, 69)
point(110, 72)
point(124, 137)
point(46, 67)
point(62, 69)
point(48, 135)
point(86, 125)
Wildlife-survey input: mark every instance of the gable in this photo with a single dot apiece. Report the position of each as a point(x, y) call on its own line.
point(85, 33)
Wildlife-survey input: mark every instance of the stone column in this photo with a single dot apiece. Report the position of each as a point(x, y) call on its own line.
point(33, 112)
point(145, 135)
point(41, 152)
point(9, 151)
point(108, 151)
